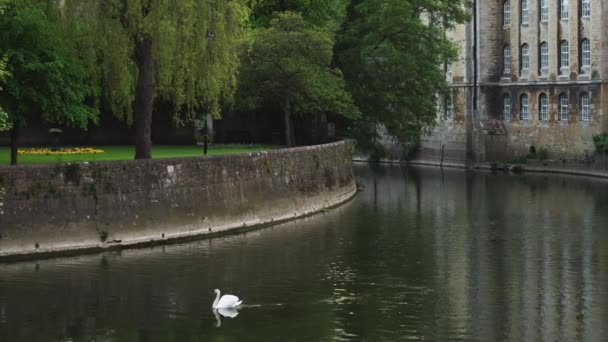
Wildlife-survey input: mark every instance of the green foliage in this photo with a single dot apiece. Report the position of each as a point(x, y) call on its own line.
point(601, 142)
point(45, 79)
point(194, 50)
point(325, 14)
point(390, 52)
point(289, 64)
point(5, 124)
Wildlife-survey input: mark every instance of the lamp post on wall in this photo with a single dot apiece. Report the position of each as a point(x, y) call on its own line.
point(205, 134)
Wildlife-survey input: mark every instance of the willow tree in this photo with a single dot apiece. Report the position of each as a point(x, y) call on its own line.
point(4, 74)
point(4, 120)
point(183, 52)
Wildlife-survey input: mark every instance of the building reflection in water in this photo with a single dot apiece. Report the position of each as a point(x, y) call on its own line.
point(516, 258)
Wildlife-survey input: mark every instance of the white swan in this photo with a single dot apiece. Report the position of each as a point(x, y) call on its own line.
point(226, 302)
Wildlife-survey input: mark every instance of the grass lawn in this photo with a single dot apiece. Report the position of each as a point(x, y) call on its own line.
point(127, 153)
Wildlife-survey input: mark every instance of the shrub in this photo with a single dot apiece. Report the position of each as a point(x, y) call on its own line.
point(601, 142)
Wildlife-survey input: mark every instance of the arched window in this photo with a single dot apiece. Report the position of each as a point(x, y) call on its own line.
point(524, 11)
point(544, 10)
point(544, 56)
point(585, 107)
point(564, 55)
point(563, 107)
point(543, 107)
point(506, 61)
point(585, 54)
point(506, 13)
point(585, 8)
point(563, 10)
point(525, 58)
point(506, 107)
point(524, 110)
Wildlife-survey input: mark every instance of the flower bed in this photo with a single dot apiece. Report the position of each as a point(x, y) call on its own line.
point(63, 151)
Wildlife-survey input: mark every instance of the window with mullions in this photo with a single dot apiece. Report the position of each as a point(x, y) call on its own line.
point(449, 107)
point(563, 10)
point(506, 13)
point(585, 8)
point(524, 12)
point(544, 10)
point(525, 58)
point(563, 107)
point(524, 110)
point(544, 56)
point(585, 54)
point(543, 107)
point(564, 56)
point(585, 107)
point(506, 107)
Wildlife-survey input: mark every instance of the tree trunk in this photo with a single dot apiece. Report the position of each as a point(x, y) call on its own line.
point(15, 142)
point(287, 122)
point(144, 98)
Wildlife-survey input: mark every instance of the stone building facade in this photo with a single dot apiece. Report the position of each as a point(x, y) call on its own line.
point(531, 78)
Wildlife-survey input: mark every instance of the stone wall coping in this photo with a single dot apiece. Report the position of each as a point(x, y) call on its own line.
point(178, 160)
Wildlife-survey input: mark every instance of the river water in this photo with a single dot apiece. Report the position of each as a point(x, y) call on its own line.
point(420, 254)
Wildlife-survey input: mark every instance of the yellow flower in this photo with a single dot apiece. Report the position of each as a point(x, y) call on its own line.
point(63, 151)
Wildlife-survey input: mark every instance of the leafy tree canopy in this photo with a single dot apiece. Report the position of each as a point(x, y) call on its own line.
point(194, 48)
point(391, 53)
point(4, 121)
point(184, 52)
point(327, 14)
point(45, 78)
point(289, 63)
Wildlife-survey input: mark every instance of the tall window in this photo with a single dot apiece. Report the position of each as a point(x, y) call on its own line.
point(544, 56)
point(564, 54)
point(506, 107)
point(563, 107)
point(524, 113)
point(586, 8)
point(585, 107)
point(525, 58)
point(543, 107)
point(506, 60)
point(506, 13)
point(563, 10)
point(544, 10)
point(585, 53)
point(449, 107)
point(524, 11)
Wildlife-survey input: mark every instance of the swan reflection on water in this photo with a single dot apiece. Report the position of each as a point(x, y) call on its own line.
point(224, 312)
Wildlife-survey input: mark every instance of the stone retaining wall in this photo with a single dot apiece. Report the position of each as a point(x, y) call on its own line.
point(94, 206)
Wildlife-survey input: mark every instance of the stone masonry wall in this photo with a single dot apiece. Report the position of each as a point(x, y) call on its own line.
point(51, 208)
point(498, 84)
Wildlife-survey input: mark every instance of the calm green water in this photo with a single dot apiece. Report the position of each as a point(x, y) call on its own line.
point(419, 255)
